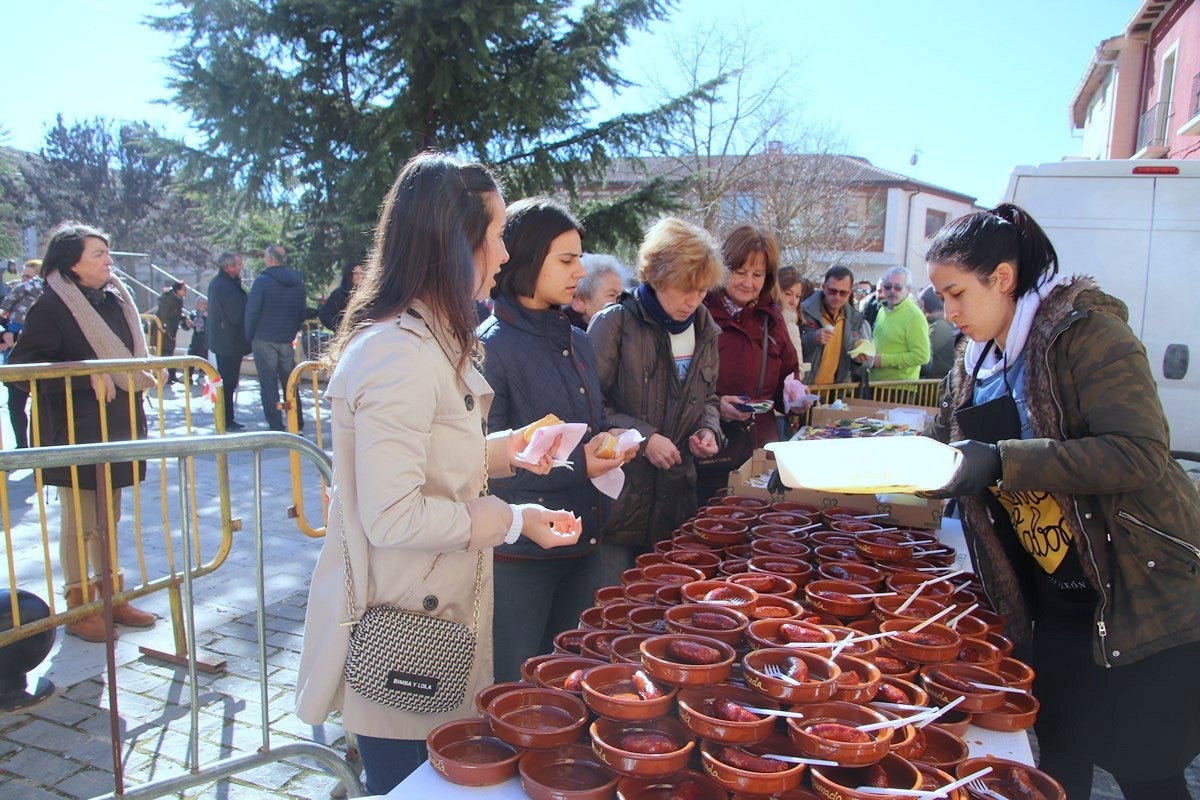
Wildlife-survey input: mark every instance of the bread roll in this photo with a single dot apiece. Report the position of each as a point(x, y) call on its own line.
point(608, 446)
point(549, 419)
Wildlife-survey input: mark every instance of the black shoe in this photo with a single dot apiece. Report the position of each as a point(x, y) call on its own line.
point(234, 426)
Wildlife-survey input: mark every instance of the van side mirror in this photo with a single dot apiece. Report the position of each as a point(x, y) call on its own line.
point(1175, 361)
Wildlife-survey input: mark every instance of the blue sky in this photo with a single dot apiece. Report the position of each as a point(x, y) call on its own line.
point(978, 87)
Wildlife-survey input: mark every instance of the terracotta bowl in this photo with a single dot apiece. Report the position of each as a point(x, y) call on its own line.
point(856, 527)
point(571, 772)
point(671, 573)
point(646, 559)
point(685, 783)
point(569, 641)
point(616, 615)
point(765, 583)
point(591, 618)
point(1001, 641)
point(934, 778)
point(920, 608)
point(772, 606)
point(975, 701)
point(598, 644)
point(735, 551)
point(732, 513)
point(771, 633)
point(733, 566)
point(974, 628)
point(908, 741)
point(489, 693)
point(719, 593)
point(722, 623)
point(647, 619)
point(867, 685)
point(887, 546)
point(532, 663)
point(706, 562)
point(612, 691)
point(795, 570)
point(981, 653)
point(554, 674)
point(896, 667)
point(698, 710)
point(755, 504)
point(467, 752)
point(864, 650)
point(1018, 713)
point(661, 664)
point(943, 749)
point(780, 547)
point(734, 779)
point(914, 695)
point(998, 778)
point(994, 622)
point(606, 595)
point(854, 571)
point(613, 741)
point(796, 507)
point(826, 536)
point(667, 595)
point(790, 519)
point(720, 531)
point(906, 583)
point(537, 719)
point(641, 592)
point(686, 541)
point(954, 721)
point(841, 782)
point(817, 686)
point(761, 531)
point(805, 733)
point(631, 575)
point(934, 644)
point(835, 598)
point(825, 553)
point(626, 649)
point(1015, 673)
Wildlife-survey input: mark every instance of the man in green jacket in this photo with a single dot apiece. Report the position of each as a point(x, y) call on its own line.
point(901, 335)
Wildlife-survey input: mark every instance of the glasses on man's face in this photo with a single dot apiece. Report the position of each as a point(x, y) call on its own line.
point(836, 292)
point(893, 287)
point(862, 291)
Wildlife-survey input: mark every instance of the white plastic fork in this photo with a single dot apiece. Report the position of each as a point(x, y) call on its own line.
point(775, 671)
point(980, 788)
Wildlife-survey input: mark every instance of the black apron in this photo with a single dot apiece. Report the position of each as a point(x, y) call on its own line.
point(989, 422)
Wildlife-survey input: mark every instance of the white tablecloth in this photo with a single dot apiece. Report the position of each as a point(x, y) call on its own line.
point(427, 783)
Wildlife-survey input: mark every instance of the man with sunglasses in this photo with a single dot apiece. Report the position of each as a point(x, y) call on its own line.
point(901, 334)
point(830, 327)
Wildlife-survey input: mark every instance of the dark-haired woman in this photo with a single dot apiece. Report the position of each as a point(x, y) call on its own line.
point(756, 351)
point(1084, 531)
point(84, 313)
point(409, 523)
point(331, 311)
point(538, 363)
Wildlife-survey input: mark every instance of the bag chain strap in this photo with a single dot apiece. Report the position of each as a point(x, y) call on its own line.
point(352, 620)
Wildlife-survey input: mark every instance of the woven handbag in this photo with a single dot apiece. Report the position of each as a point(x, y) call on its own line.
point(408, 660)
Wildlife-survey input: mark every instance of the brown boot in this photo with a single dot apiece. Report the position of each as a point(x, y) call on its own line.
point(90, 629)
point(127, 615)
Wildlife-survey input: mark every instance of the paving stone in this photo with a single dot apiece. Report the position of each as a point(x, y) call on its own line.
point(46, 736)
point(68, 712)
point(87, 783)
point(43, 767)
point(25, 790)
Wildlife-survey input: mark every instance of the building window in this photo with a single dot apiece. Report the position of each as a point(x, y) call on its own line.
point(934, 221)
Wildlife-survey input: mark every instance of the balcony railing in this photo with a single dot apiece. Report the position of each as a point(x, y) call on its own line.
point(1152, 127)
point(1195, 96)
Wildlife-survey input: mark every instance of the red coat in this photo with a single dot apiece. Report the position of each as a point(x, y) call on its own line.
point(740, 348)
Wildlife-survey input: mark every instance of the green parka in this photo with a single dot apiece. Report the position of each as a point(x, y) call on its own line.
point(1101, 448)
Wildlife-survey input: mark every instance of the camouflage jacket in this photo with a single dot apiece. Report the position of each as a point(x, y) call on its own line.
point(1101, 448)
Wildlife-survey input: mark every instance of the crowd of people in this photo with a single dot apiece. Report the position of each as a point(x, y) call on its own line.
point(471, 321)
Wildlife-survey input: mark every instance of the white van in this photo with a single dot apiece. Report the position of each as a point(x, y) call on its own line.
point(1133, 225)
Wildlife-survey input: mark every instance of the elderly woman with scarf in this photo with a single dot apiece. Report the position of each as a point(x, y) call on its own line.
point(1084, 531)
point(757, 354)
point(657, 353)
point(84, 313)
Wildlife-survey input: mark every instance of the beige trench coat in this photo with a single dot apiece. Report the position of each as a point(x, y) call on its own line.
point(408, 456)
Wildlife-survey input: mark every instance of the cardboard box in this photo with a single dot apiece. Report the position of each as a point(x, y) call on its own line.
point(824, 415)
point(903, 510)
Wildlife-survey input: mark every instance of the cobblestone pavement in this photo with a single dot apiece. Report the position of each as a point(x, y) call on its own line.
point(61, 747)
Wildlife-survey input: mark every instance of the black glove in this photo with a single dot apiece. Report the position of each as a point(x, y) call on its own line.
point(978, 469)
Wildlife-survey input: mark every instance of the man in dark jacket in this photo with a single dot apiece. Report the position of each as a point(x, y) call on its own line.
point(275, 311)
point(227, 329)
point(170, 314)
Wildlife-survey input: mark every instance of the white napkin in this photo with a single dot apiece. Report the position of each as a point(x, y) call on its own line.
point(572, 433)
point(613, 481)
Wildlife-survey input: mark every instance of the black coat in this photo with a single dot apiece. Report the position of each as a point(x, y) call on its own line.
point(52, 334)
point(170, 314)
point(226, 316)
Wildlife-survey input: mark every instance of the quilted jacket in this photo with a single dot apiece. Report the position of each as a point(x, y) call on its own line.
point(538, 364)
point(642, 390)
point(1101, 450)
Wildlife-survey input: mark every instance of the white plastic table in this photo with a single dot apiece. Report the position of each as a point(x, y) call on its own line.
point(427, 783)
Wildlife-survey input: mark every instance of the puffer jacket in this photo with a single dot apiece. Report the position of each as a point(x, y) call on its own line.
point(811, 324)
point(538, 364)
point(276, 308)
point(1102, 451)
point(642, 390)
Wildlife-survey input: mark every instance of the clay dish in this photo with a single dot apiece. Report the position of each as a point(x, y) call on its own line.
point(853, 571)
point(598, 644)
point(696, 785)
point(920, 608)
point(489, 693)
point(667, 595)
point(647, 619)
point(467, 752)
point(790, 519)
point(747, 781)
point(796, 570)
point(698, 711)
point(537, 719)
point(682, 619)
point(553, 674)
point(661, 665)
point(937, 644)
point(532, 663)
point(755, 504)
point(772, 606)
point(767, 633)
point(609, 594)
point(641, 592)
point(568, 641)
point(914, 694)
point(797, 508)
point(612, 742)
point(705, 561)
point(766, 584)
point(997, 779)
point(834, 598)
point(841, 782)
point(805, 733)
point(671, 573)
point(779, 547)
point(1016, 673)
point(1018, 713)
point(626, 649)
point(646, 559)
point(590, 618)
point(905, 583)
point(616, 615)
point(868, 677)
point(824, 553)
point(943, 749)
point(571, 772)
point(721, 531)
point(974, 701)
point(980, 653)
point(733, 566)
point(611, 691)
point(817, 687)
point(719, 593)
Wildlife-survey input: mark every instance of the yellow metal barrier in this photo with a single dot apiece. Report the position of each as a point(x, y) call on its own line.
point(311, 372)
point(210, 547)
point(920, 393)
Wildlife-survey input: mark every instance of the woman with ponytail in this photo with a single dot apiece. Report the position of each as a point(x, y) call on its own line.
point(1084, 531)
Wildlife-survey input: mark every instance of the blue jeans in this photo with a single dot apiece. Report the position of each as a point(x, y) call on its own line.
point(389, 761)
point(536, 599)
point(274, 362)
